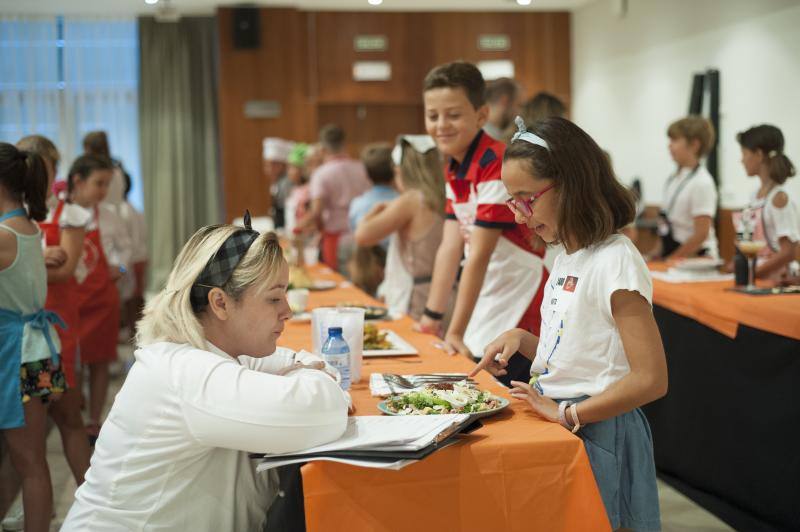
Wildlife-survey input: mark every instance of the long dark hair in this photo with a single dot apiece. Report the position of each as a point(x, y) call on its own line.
point(592, 204)
point(83, 167)
point(24, 176)
point(769, 140)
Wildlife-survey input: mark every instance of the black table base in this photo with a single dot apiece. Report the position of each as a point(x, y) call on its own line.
point(727, 434)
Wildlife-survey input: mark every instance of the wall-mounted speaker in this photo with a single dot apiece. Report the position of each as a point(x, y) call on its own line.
point(246, 28)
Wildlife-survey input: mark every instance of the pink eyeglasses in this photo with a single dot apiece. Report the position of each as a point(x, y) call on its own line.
point(525, 206)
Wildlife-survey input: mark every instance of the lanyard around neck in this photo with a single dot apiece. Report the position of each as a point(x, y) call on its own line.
point(13, 214)
point(680, 188)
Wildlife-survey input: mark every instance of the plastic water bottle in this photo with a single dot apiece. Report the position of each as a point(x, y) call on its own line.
point(336, 352)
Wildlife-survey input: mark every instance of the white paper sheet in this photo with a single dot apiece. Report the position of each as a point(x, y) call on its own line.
point(388, 433)
point(388, 465)
point(678, 276)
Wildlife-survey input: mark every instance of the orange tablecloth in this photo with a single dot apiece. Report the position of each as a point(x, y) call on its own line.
point(722, 310)
point(518, 472)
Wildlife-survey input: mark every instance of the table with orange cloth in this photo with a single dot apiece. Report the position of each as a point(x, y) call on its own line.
point(727, 427)
point(518, 472)
point(717, 307)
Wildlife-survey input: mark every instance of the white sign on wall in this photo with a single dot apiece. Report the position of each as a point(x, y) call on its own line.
point(372, 71)
point(499, 68)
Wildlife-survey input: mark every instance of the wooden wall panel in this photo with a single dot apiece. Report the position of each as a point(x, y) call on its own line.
point(540, 45)
point(726, 234)
point(335, 33)
point(305, 62)
point(545, 55)
point(277, 70)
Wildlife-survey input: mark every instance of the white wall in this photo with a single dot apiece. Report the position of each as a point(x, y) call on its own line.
point(632, 77)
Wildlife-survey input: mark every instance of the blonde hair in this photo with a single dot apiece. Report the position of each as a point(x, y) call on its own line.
point(424, 172)
point(169, 317)
point(41, 146)
point(694, 128)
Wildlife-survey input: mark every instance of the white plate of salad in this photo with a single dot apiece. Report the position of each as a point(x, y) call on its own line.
point(444, 398)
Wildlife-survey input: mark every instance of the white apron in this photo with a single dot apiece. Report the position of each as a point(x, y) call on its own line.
point(512, 279)
point(398, 284)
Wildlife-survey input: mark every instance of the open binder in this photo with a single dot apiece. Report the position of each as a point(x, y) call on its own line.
point(388, 442)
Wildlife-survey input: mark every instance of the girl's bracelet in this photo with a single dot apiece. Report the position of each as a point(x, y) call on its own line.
point(574, 411)
point(437, 316)
point(562, 418)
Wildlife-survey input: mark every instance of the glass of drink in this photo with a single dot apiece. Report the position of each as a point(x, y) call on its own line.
point(750, 249)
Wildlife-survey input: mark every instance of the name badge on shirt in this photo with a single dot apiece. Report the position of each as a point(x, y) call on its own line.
point(564, 293)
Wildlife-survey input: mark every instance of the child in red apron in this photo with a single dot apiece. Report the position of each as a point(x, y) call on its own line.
point(97, 297)
point(63, 231)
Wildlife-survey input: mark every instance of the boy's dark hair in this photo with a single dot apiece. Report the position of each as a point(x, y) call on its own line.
point(331, 137)
point(592, 204)
point(458, 74)
point(694, 128)
point(377, 158)
point(497, 88)
point(24, 176)
point(541, 106)
point(96, 143)
point(769, 139)
point(83, 167)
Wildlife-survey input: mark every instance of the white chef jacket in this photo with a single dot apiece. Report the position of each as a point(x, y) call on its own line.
point(172, 454)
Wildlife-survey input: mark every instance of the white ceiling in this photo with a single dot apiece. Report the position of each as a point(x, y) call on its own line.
point(138, 7)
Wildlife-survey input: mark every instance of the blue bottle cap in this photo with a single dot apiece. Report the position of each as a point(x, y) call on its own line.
point(334, 331)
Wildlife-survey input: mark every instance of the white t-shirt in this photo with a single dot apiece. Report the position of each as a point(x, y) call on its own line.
point(72, 216)
point(778, 222)
point(172, 454)
point(697, 197)
point(580, 351)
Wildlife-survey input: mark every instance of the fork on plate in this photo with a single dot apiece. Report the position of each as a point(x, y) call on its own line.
point(416, 381)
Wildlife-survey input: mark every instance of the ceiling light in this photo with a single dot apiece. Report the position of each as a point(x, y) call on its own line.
point(150, 2)
point(524, 2)
point(375, 2)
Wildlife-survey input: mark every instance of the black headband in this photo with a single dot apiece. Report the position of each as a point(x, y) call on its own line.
point(219, 269)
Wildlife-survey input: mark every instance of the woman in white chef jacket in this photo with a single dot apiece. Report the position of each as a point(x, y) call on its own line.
point(208, 385)
point(686, 221)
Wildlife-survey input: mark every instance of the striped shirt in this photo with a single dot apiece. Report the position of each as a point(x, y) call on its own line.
point(477, 179)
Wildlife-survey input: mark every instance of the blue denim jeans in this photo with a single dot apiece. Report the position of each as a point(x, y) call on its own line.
point(620, 451)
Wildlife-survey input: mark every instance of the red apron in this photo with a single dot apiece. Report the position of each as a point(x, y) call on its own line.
point(61, 300)
point(330, 250)
point(98, 303)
